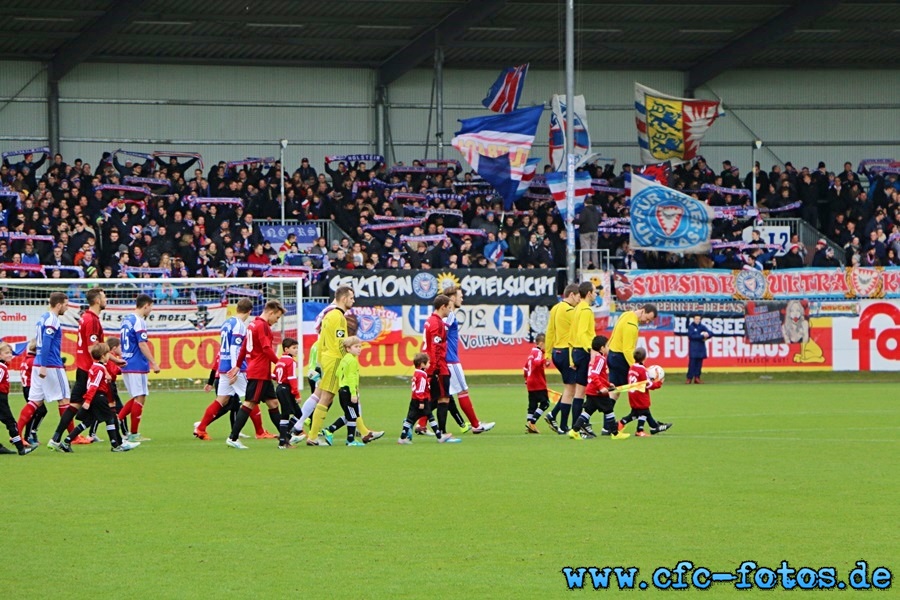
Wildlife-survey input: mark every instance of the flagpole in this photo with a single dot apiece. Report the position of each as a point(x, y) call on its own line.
point(570, 139)
point(439, 99)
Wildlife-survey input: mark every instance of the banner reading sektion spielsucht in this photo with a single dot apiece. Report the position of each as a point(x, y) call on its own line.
point(479, 286)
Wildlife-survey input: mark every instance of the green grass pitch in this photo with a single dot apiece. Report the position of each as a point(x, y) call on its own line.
point(803, 471)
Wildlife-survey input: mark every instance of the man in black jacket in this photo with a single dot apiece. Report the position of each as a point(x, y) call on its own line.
point(791, 260)
point(588, 221)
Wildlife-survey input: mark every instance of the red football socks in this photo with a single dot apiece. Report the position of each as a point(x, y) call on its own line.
point(136, 411)
point(256, 417)
point(209, 416)
point(126, 410)
point(25, 417)
point(465, 403)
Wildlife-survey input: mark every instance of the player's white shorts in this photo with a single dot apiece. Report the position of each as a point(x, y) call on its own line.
point(136, 384)
point(239, 386)
point(52, 388)
point(457, 379)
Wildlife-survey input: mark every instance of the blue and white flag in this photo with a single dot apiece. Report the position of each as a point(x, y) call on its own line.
point(666, 220)
point(18, 347)
point(556, 181)
point(497, 148)
point(582, 145)
point(503, 97)
point(527, 177)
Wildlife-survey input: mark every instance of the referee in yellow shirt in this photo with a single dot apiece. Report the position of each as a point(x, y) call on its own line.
point(582, 336)
point(558, 349)
point(624, 340)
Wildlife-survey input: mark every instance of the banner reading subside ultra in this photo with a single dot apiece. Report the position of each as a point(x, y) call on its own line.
point(751, 284)
point(664, 219)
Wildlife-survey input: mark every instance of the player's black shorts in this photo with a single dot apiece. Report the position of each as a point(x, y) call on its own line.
point(604, 404)
point(415, 413)
point(285, 396)
point(100, 412)
point(260, 390)
point(6, 416)
point(80, 387)
point(618, 368)
point(561, 362)
point(539, 397)
point(114, 394)
point(582, 360)
point(440, 387)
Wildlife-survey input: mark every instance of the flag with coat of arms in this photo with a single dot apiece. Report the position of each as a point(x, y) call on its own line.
point(671, 128)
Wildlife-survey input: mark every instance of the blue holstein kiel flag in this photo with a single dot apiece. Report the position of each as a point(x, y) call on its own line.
point(497, 148)
point(666, 220)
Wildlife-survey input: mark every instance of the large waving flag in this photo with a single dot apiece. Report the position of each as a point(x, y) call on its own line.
point(556, 181)
point(527, 177)
point(670, 128)
point(582, 149)
point(666, 220)
point(503, 97)
point(497, 148)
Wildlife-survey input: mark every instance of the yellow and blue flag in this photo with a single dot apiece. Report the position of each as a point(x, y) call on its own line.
point(671, 128)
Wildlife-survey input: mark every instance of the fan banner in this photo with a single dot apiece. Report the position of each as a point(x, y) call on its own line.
point(666, 220)
point(479, 286)
point(277, 234)
point(751, 284)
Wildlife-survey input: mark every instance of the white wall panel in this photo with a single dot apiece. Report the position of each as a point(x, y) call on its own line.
point(232, 112)
point(23, 120)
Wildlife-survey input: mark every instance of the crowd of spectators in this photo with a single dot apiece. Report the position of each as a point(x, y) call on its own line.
point(61, 215)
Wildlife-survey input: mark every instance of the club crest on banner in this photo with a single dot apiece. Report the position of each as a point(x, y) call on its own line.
point(425, 286)
point(664, 219)
point(669, 218)
point(750, 284)
point(864, 283)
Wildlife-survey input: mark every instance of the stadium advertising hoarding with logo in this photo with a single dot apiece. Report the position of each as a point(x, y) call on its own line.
point(746, 336)
point(184, 338)
point(493, 338)
point(869, 341)
point(480, 286)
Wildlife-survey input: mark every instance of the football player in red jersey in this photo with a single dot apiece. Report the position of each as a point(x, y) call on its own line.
point(6, 416)
point(420, 403)
point(639, 399)
point(536, 384)
point(95, 405)
point(601, 395)
point(434, 345)
point(90, 332)
point(257, 349)
point(288, 389)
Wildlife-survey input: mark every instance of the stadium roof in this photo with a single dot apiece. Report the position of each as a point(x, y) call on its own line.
point(701, 37)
